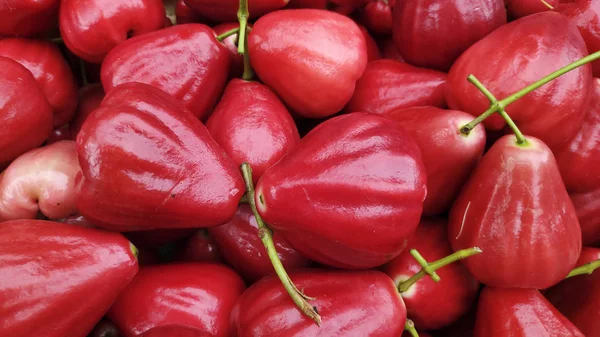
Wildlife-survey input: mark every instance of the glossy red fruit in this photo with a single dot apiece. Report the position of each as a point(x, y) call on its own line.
point(241, 247)
point(252, 125)
point(387, 85)
point(51, 71)
point(314, 76)
point(372, 47)
point(170, 60)
point(433, 305)
point(184, 14)
point(350, 194)
point(587, 206)
point(359, 303)
point(28, 17)
point(520, 313)
point(541, 44)
point(586, 15)
point(516, 209)
point(226, 10)
point(170, 172)
point(448, 155)
point(520, 8)
point(90, 97)
point(25, 115)
point(91, 28)
point(200, 247)
point(78, 263)
point(434, 33)
point(175, 331)
point(193, 294)
point(237, 59)
point(377, 16)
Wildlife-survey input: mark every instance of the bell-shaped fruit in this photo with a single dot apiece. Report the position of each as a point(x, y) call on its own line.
point(587, 205)
point(226, 10)
point(377, 16)
point(372, 47)
point(586, 15)
point(28, 17)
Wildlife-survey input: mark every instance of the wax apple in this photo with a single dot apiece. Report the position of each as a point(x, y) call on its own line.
point(90, 97)
point(516, 209)
point(377, 16)
point(520, 313)
point(51, 71)
point(319, 56)
point(58, 280)
point(586, 15)
point(197, 295)
point(350, 194)
point(169, 60)
point(387, 85)
point(448, 155)
point(519, 8)
point(169, 171)
point(541, 43)
point(200, 247)
point(587, 205)
point(106, 24)
point(25, 115)
point(175, 331)
point(28, 17)
point(184, 14)
point(237, 59)
point(372, 47)
point(252, 125)
point(340, 297)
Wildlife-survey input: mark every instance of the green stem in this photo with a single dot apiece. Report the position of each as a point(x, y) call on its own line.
point(243, 15)
point(228, 33)
point(425, 265)
point(248, 73)
point(459, 255)
point(266, 236)
point(410, 327)
point(547, 4)
point(585, 269)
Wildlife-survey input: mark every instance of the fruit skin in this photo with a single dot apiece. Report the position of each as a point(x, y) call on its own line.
point(433, 33)
point(448, 155)
point(520, 8)
point(377, 16)
point(350, 193)
point(184, 14)
point(51, 71)
point(199, 295)
point(315, 77)
point(252, 125)
point(174, 331)
point(433, 305)
point(508, 67)
point(516, 209)
point(578, 298)
point(90, 97)
point(372, 47)
point(387, 85)
point(586, 15)
point(170, 172)
point(78, 263)
point(241, 247)
point(91, 28)
point(200, 247)
point(169, 59)
point(27, 17)
point(226, 10)
point(520, 313)
point(587, 205)
point(237, 59)
point(356, 303)
point(25, 115)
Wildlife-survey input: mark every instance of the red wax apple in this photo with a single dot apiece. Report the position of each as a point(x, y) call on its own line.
point(175, 331)
point(357, 303)
point(197, 295)
point(28, 17)
point(586, 15)
point(226, 10)
point(252, 125)
point(185, 61)
point(578, 298)
point(241, 247)
point(540, 44)
point(350, 194)
point(433, 33)
point(387, 85)
point(90, 97)
point(237, 59)
point(200, 247)
point(311, 58)
point(516, 209)
point(184, 14)
point(51, 71)
point(520, 313)
point(41, 180)
point(58, 280)
point(25, 115)
point(433, 305)
point(377, 16)
point(520, 8)
point(372, 47)
point(448, 155)
point(587, 205)
point(91, 28)
point(170, 173)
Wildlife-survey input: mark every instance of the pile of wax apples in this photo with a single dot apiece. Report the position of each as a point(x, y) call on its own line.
point(296, 168)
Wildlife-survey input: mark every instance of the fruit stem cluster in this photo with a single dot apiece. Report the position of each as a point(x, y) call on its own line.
point(409, 326)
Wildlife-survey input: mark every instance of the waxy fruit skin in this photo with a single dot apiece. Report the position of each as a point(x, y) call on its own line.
point(351, 303)
point(226, 10)
point(578, 298)
point(58, 280)
point(540, 44)
point(200, 247)
point(429, 304)
point(520, 313)
point(51, 71)
point(252, 125)
point(387, 85)
point(237, 60)
point(586, 15)
point(41, 180)
point(199, 295)
point(319, 56)
point(433, 33)
point(175, 331)
point(516, 209)
point(91, 28)
point(90, 97)
point(27, 17)
point(587, 206)
point(448, 155)
point(350, 193)
point(25, 115)
point(184, 14)
point(241, 247)
point(148, 163)
point(520, 8)
point(377, 16)
point(372, 47)
point(185, 61)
